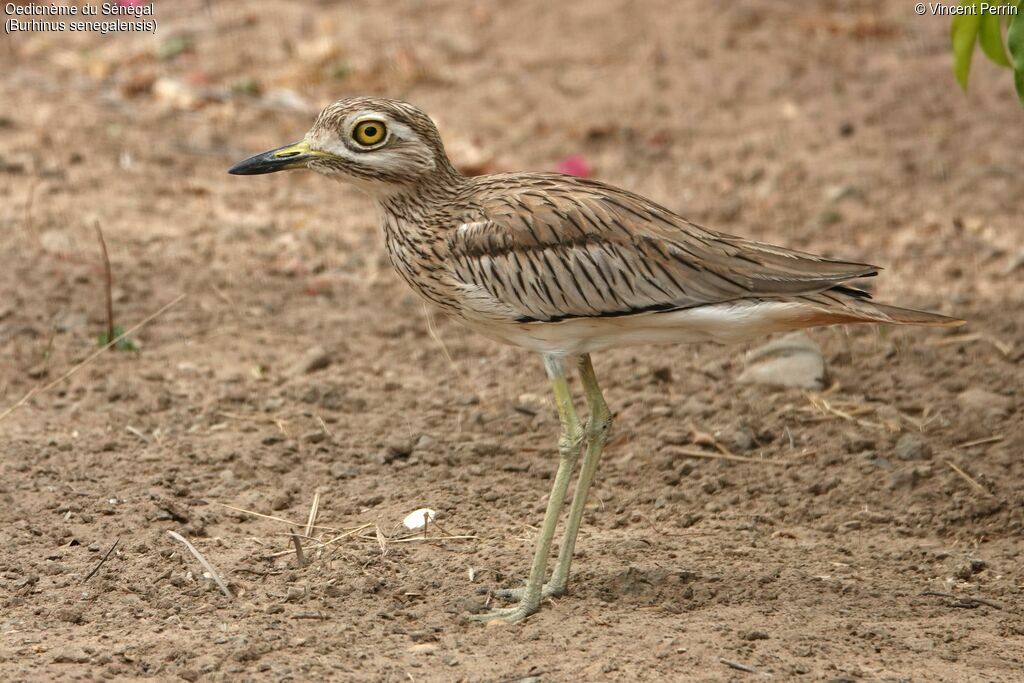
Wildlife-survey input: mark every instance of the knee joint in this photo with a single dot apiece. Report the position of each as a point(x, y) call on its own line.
point(600, 424)
point(569, 443)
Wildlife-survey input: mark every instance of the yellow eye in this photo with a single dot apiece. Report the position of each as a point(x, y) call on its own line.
point(369, 133)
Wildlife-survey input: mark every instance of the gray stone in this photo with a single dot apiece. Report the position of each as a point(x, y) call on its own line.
point(907, 478)
point(70, 321)
point(966, 570)
point(340, 470)
point(791, 361)
point(912, 446)
point(314, 436)
point(984, 402)
point(314, 359)
point(71, 655)
point(738, 439)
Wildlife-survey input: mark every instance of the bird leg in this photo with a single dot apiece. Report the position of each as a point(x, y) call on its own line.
point(595, 433)
point(569, 446)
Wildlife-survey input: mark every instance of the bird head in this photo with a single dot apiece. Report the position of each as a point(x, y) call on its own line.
point(377, 144)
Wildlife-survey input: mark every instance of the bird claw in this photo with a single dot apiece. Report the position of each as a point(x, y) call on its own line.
point(528, 604)
point(509, 615)
point(550, 590)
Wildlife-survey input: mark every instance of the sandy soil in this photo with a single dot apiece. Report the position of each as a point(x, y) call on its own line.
point(853, 552)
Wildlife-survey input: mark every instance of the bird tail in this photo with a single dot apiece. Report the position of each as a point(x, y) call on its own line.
point(909, 316)
point(845, 305)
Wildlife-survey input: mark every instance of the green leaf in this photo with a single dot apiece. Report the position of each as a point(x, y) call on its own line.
point(1015, 44)
point(125, 344)
point(964, 35)
point(990, 36)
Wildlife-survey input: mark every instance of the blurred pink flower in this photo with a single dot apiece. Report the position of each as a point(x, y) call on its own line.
point(574, 164)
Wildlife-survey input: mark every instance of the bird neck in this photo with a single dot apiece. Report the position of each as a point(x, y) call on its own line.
point(421, 197)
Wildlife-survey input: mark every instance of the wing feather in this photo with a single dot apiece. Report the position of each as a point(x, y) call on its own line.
point(590, 250)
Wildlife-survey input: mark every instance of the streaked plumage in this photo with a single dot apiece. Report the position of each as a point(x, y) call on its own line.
point(566, 266)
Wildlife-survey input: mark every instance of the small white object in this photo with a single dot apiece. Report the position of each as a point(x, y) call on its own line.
point(417, 519)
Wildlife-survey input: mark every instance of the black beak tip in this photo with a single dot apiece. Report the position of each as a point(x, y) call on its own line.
point(280, 159)
point(252, 166)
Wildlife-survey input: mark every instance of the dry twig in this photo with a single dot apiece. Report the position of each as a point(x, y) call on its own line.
point(300, 559)
point(102, 560)
point(965, 601)
point(108, 282)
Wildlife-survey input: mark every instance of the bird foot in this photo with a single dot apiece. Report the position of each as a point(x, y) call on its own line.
point(509, 615)
point(550, 590)
point(528, 603)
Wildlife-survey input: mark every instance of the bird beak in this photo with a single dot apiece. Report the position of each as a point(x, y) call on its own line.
point(297, 155)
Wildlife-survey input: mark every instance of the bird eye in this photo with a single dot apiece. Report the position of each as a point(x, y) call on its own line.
point(369, 133)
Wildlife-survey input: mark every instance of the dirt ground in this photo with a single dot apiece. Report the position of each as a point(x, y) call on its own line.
point(298, 365)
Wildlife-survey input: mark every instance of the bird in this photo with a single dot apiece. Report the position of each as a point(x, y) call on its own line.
point(566, 267)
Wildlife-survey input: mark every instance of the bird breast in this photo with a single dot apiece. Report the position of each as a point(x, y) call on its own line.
point(419, 254)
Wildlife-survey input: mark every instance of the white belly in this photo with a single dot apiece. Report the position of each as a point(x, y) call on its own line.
point(721, 323)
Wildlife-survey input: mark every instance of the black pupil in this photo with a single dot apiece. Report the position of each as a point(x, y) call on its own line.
point(370, 131)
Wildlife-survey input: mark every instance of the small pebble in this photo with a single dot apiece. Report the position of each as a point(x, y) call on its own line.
point(340, 470)
point(912, 446)
point(315, 436)
point(71, 656)
point(984, 402)
point(314, 359)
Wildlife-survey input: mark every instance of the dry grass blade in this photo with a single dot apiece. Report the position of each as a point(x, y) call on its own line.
point(981, 442)
point(969, 479)
point(432, 331)
point(1003, 347)
point(251, 418)
point(382, 541)
point(823, 406)
point(91, 357)
point(203, 561)
point(280, 519)
point(738, 666)
point(694, 453)
point(279, 422)
point(313, 510)
point(432, 539)
point(323, 544)
point(135, 431)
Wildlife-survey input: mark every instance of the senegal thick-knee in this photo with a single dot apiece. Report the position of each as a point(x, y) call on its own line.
point(566, 267)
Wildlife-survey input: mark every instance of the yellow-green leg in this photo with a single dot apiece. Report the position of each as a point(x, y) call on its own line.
point(595, 434)
point(569, 444)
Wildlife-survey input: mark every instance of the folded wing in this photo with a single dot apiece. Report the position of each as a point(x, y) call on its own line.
point(555, 247)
